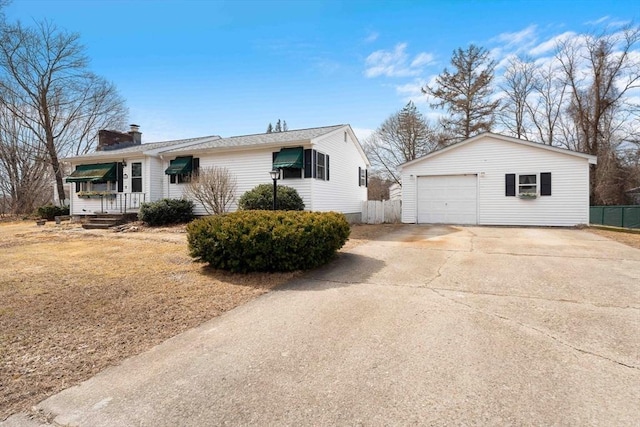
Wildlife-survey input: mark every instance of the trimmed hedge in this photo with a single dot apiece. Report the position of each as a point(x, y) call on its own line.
point(246, 241)
point(261, 198)
point(166, 211)
point(50, 212)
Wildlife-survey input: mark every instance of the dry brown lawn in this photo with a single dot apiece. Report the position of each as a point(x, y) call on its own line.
point(75, 301)
point(628, 238)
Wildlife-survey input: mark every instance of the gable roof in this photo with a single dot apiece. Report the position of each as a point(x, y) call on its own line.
point(261, 139)
point(201, 144)
point(591, 159)
point(151, 148)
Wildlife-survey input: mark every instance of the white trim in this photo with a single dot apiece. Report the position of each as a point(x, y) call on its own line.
point(592, 159)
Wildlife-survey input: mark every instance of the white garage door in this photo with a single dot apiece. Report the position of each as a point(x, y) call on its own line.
point(450, 199)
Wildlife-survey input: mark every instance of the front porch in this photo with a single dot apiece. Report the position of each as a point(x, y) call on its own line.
point(106, 203)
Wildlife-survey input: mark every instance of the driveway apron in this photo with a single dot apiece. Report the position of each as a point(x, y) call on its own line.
point(432, 325)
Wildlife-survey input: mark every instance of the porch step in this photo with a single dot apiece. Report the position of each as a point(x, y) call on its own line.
point(105, 221)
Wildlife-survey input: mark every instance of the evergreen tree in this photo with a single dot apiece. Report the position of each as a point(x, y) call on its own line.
point(270, 128)
point(465, 93)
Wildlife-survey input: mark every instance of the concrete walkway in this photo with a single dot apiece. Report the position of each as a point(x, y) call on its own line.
point(431, 326)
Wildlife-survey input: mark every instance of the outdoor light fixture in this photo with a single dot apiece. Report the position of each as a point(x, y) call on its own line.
point(275, 175)
point(124, 162)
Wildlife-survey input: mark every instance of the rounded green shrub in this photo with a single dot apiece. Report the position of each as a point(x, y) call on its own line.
point(166, 211)
point(246, 241)
point(50, 212)
point(261, 198)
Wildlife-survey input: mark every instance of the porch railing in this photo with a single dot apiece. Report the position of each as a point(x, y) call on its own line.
point(121, 202)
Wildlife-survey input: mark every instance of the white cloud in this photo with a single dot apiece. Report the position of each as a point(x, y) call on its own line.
point(550, 44)
point(396, 62)
point(371, 37)
point(598, 21)
point(422, 59)
point(517, 39)
point(363, 133)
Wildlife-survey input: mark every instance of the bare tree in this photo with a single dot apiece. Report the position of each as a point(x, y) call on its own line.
point(599, 71)
point(466, 93)
point(215, 188)
point(547, 105)
point(403, 136)
point(378, 188)
point(517, 87)
point(52, 93)
point(25, 178)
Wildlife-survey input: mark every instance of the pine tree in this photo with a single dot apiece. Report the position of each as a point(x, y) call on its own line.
point(270, 128)
point(278, 127)
point(466, 93)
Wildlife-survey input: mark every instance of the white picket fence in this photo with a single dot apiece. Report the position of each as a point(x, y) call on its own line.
point(378, 212)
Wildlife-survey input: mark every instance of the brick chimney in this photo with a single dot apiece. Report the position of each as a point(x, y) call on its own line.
point(136, 135)
point(113, 140)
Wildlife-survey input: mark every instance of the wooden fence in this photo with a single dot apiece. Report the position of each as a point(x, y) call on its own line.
point(378, 212)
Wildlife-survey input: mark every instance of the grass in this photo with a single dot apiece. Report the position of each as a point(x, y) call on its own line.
point(76, 301)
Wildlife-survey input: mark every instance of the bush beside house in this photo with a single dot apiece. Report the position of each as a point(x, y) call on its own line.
point(246, 241)
point(166, 211)
point(50, 212)
point(261, 198)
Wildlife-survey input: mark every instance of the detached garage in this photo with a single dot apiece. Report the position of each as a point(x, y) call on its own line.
point(493, 179)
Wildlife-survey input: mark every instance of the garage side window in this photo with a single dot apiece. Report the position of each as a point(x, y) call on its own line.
point(526, 185)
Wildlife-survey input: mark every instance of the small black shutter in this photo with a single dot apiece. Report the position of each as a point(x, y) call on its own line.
point(326, 165)
point(359, 176)
point(120, 177)
point(545, 184)
point(172, 179)
point(77, 187)
point(510, 184)
point(308, 165)
point(366, 177)
point(314, 156)
point(195, 166)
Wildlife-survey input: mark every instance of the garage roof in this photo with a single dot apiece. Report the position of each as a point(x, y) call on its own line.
point(592, 159)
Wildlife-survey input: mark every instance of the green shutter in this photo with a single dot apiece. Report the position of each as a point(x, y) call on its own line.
point(99, 172)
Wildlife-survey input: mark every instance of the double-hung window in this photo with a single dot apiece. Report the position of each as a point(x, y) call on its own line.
point(529, 185)
point(136, 177)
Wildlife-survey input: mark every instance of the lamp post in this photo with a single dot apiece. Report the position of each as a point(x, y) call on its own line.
point(275, 174)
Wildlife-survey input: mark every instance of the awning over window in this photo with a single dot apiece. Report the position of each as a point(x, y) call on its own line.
point(179, 166)
point(289, 158)
point(99, 172)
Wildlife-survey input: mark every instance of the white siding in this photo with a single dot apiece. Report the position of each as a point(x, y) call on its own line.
point(342, 192)
point(154, 179)
point(250, 168)
point(491, 159)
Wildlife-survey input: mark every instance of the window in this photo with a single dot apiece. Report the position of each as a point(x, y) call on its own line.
point(289, 161)
point(95, 186)
point(181, 169)
point(316, 165)
point(527, 184)
point(136, 177)
point(320, 166)
point(290, 173)
point(362, 177)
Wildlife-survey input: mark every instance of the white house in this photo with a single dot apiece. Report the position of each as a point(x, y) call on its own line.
point(326, 165)
point(492, 179)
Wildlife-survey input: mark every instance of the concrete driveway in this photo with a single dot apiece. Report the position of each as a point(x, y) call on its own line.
point(430, 326)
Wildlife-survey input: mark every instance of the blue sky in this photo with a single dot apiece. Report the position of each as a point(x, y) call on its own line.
point(195, 68)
